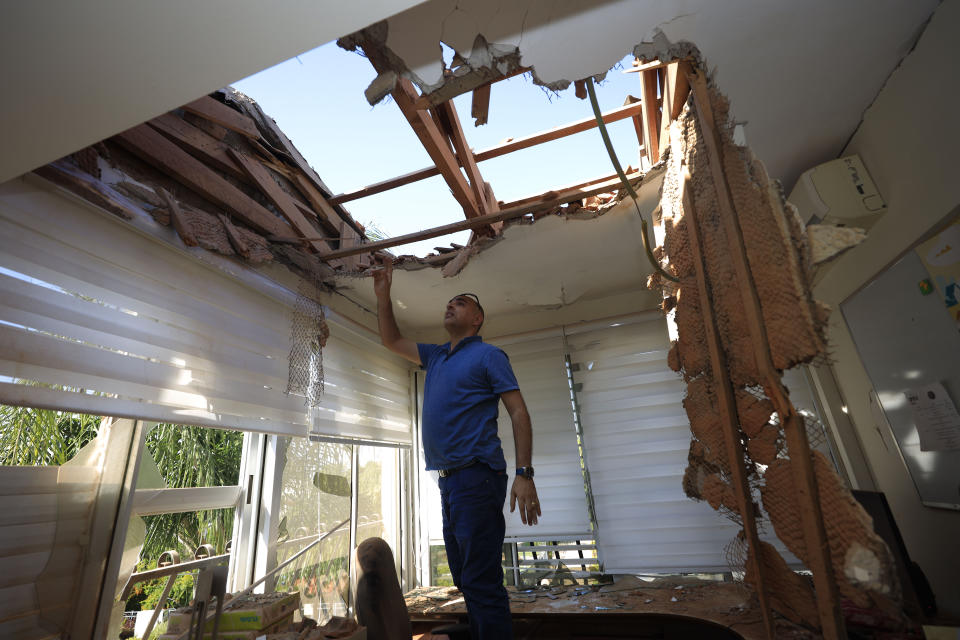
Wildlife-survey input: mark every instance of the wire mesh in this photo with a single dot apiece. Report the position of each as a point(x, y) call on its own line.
point(308, 337)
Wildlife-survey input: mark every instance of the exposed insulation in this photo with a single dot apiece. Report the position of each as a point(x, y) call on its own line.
point(754, 412)
point(791, 594)
point(861, 560)
point(778, 261)
point(700, 405)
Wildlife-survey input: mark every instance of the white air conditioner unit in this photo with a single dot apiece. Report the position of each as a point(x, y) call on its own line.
point(839, 192)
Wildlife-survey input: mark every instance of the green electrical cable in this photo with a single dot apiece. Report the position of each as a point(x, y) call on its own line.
point(626, 183)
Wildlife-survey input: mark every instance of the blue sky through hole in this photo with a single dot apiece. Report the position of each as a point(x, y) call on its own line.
point(317, 100)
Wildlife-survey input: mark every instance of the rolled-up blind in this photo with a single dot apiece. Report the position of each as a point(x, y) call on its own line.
point(99, 317)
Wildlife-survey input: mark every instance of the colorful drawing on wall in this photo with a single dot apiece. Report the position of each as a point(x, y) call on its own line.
point(941, 257)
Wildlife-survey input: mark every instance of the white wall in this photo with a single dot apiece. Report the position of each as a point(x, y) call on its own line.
point(74, 73)
point(908, 141)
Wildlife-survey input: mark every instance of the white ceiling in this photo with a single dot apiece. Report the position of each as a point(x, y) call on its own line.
point(555, 270)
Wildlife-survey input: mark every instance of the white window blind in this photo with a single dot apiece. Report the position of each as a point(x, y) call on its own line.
point(636, 437)
point(99, 317)
point(540, 366)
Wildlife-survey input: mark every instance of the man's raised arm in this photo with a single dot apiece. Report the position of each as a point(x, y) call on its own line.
point(390, 334)
point(523, 491)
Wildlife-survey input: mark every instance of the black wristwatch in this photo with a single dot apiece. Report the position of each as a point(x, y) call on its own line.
point(525, 472)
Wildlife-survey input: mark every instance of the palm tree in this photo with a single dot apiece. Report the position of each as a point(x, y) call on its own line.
point(187, 456)
point(190, 456)
point(41, 437)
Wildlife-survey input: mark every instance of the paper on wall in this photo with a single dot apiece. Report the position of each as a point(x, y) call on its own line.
point(936, 418)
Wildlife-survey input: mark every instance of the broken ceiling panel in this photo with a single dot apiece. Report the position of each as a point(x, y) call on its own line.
point(590, 263)
point(768, 56)
point(223, 175)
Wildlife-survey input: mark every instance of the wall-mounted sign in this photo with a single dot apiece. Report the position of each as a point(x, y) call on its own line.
point(941, 257)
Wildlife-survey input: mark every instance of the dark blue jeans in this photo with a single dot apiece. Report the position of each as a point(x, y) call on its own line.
point(473, 528)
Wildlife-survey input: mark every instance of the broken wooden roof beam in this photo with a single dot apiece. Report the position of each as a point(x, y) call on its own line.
point(550, 200)
point(464, 155)
point(436, 145)
point(620, 113)
point(455, 85)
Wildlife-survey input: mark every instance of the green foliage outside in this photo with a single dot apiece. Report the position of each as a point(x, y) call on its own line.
point(41, 437)
point(187, 456)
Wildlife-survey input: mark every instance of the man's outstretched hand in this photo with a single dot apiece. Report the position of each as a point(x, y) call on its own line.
point(524, 492)
point(383, 278)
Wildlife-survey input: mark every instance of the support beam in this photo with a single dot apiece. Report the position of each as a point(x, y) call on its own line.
point(679, 87)
point(465, 157)
point(480, 106)
point(620, 113)
point(647, 66)
point(325, 213)
point(177, 218)
point(219, 113)
point(808, 496)
point(727, 409)
point(197, 143)
point(436, 145)
point(261, 177)
point(530, 200)
point(454, 85)
point(651, 127)
point(550, 199)
point(153, 148)
point(665, 120)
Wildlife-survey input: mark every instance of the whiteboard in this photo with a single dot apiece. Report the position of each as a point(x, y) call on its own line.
point(907, 340)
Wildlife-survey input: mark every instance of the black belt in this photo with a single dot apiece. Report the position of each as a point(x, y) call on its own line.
point(446, 472)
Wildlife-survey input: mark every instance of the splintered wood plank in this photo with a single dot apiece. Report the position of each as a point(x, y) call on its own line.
point(325, 213)
point(219, 113)
point(492, 205)
point(262, 178)
point(465, 156)
point(349, 239)
point(436, 146)
point(648, 102)
point(152, 147)
point(480, 105)
point(87, 187)
point(665, 100)
point(631, 175)
point(233, 236)
point(811, 514)
point(679, 87)
point(197, 142)
point(386, 185)
point(646, 66)
point(177, 218)
point(620, 113)
point(549, 200)
point(727, 408)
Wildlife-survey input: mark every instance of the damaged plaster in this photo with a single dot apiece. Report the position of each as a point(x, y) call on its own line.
point(766, 57)
point(579, 266)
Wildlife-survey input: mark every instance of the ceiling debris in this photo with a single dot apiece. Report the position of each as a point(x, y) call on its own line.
point(485, 64)
point(223, 175)
point(745, 313)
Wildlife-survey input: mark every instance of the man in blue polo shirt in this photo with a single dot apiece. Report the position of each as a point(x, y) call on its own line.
point(466, 379)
